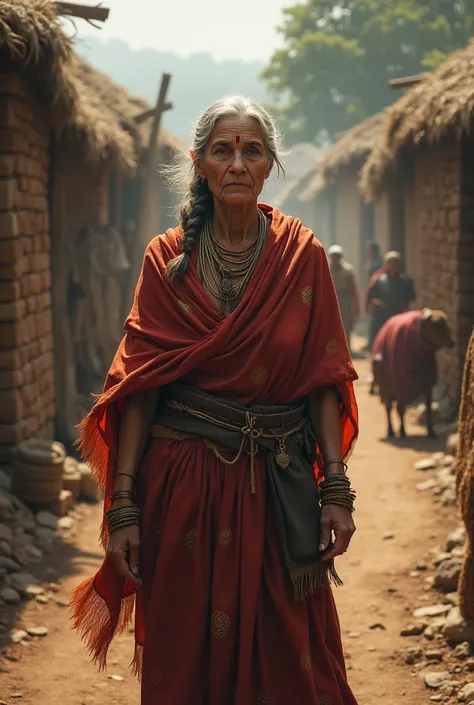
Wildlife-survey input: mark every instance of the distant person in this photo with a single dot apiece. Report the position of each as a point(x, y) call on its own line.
point(229, 397)
point(346, 289)
point(374, 260)
point(390, 292)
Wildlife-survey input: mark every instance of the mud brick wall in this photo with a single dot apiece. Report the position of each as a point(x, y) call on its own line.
point(466, 249)
point(26, 337)
point(442, 266)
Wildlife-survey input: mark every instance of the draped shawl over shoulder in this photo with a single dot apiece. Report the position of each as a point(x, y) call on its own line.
point(284, 339)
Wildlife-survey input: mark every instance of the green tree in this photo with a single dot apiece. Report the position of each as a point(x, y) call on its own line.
point(339, 56)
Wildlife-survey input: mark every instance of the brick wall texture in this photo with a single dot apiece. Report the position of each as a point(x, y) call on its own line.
point(444, 190)
point(26, 339)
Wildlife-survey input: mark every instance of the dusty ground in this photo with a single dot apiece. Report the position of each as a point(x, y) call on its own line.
point(378, 590)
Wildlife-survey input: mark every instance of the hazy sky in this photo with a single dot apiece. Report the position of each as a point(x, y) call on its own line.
point(242, 29)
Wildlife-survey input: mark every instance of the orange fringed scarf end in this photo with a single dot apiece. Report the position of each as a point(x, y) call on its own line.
point(92, 446)
point(92, 619)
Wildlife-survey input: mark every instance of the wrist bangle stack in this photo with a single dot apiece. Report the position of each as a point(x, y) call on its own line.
point(336, 462)
point(336, 489)
point(123, 516)
point(122, 494)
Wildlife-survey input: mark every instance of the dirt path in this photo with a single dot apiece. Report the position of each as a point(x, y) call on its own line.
point(378, 590)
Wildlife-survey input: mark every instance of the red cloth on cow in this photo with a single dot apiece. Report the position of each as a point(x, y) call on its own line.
point(409, 364)
point(216, 616)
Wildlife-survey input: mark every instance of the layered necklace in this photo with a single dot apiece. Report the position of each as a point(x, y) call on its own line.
point(219, 265)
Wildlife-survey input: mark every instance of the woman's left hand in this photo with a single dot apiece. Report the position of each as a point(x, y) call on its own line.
point(338, 520)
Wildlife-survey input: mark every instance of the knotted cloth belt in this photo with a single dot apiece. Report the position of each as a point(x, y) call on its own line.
point(286, 438)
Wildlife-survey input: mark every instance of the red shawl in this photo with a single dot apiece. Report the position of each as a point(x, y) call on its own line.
point(284, 339)
point(409, 364)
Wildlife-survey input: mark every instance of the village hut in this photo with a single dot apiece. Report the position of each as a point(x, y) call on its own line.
point(62, 145)
point(334, 192)
point(425, 153)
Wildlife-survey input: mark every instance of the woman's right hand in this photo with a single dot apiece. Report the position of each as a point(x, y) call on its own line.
point(123, 551)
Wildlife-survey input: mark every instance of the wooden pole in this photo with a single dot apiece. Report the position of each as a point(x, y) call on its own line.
point(406, 82)
point(85, 12)
point(147, 204)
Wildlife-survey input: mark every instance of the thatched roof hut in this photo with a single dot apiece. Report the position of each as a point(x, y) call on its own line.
point(442, 105)
point(352, 148)
point(78, 98)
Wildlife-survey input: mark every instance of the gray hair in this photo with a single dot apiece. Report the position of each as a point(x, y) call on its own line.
point(196, 202)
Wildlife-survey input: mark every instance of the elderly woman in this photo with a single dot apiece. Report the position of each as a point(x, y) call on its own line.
point(220, 437)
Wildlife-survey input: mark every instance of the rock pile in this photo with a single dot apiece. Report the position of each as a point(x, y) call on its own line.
point(28, 537)
point(443, 637)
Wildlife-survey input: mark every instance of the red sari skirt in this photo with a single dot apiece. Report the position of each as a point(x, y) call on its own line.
point(216, 615)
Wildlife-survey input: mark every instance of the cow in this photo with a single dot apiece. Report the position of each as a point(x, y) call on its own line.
point(404, 362)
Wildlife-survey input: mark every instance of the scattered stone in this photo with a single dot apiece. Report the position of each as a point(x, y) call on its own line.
point(412, 655)
point(466, 694)
point(435, 628)
point(9, 564)
point(42, 599)
point(449, 498)
point(437, 698)
point(457, 629)
point(422, 567)
point(115, 678)
point(65, 523)
point(425, 464)
point(447, 574)
point(16, 696)
point(414, 629)
point(431, 611)
point(378, 627)
point(414, 574)
point(45, 538)
point(5, 549)
point(354, 635)
point(470, 664)
point(54, 587)
point(10, 596)
point(61, 603)
point(34, 591)
point(6, 534)
point(388, 536)
point(462, 650)
point(426, 485)
point(63, 504)
point(47, 520)
point(448, 460)
point(434, 655)
point(20, 582)
point(440, 557)
point(452, 598)
point(18, 635)
point(436, 679)
point(391, 589)
point(37, 631)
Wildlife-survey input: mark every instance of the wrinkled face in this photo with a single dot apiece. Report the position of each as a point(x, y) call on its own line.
point(235, 163)
point(437, 332)
point(393, 267)
point(335, 260)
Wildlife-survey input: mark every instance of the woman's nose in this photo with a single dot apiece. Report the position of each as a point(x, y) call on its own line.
point(238, 163)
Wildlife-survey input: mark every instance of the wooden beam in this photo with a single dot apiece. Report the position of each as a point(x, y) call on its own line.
point(147, 208)
point(149, 113)
point(407, 81)
point(85, 12)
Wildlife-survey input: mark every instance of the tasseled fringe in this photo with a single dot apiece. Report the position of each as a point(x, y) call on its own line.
point(308, 579)
point(91, 618)
point(93, 447)
point(137, 663)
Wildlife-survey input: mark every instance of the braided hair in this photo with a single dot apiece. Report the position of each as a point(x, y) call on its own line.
point(197, 204)
point(193, 215)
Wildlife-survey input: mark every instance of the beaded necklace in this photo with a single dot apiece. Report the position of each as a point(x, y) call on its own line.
point(219, 265)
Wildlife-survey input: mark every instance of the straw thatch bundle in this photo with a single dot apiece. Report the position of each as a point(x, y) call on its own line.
point(441, 105)
point(352, 148)
point(465, 482)
point(77, 98)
